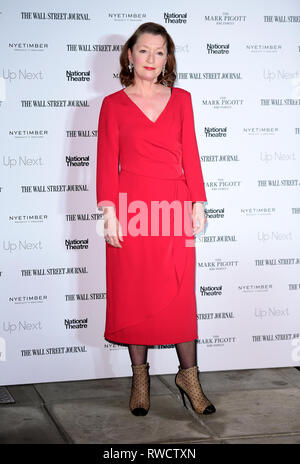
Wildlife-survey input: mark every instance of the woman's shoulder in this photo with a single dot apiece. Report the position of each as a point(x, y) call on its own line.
point(181, 91)
point(113, 97)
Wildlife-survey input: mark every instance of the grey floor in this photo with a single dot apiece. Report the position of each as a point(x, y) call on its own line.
point(253, 406)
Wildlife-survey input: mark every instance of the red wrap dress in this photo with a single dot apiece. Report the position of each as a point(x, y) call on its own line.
point(150, 281)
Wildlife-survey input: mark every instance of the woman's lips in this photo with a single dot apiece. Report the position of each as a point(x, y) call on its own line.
point(148, 67)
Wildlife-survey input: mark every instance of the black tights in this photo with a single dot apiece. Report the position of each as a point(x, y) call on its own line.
point(186, 353)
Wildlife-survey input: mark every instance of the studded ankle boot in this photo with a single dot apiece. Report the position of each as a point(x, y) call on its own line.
point(187, 381)
point(139, 402)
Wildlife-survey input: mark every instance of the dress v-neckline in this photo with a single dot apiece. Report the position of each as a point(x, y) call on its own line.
point(142, 112)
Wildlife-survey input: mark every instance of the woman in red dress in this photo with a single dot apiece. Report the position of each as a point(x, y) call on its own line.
point(148, 129)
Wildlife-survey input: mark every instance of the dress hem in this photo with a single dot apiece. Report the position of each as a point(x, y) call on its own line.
point(150, 344)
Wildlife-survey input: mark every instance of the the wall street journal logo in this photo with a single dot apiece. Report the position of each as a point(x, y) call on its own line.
point(216, 341)
point(219, 158)
point(209, 75)
point(84, 217)
point(91, 47)
point(263, 48)
point(280, 337)
point(27, 299)
point(77, 160)
point(278, 182)
point(263, 313)
point(175, 18)
point(217, 49)
point(280, 102)
point(258, 211)
point(215, 132)
point(28, 218)
point(218, 264)
point(81, 133)
point(26, 161)
point(277, 262)
point(225, 18)
point(53, 271)
point(85, 296)
point(76, 244)
point(294, 286)
point(255, 288)
point(281, 19)
point(10, 75)
point(54, 104)
point(76, 323)
point(53, 350)
point(222, 184)
point(215, 213)
point(208, 316)
point(263, 131)
point(222, 103)
point(28, 134)
point(49, 16)
point(78, 76)
point(58, 188)
point(216, 238)
point(28, 46)
point(210, 290)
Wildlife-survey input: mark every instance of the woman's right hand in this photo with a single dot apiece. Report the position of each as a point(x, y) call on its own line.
point(112, 228)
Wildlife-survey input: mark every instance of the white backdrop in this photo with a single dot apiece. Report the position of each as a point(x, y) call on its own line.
point(240, 61)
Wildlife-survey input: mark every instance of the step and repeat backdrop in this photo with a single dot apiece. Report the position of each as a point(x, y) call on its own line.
point(240, 61)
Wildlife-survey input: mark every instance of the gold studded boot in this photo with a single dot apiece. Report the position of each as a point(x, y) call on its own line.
point(139, 402)
point(187, 381)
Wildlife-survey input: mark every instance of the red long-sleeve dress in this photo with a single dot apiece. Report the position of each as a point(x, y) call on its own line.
point(150, 281)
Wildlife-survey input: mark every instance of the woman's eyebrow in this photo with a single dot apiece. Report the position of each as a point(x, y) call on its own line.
point(148, 47)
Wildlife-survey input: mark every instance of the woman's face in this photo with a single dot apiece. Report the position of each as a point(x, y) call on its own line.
point(148, 56)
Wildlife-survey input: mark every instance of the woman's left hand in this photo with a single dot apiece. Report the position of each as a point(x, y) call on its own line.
point(199, 218)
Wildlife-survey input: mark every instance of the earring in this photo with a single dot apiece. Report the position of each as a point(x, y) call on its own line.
point(130, 66)
point(163, 69)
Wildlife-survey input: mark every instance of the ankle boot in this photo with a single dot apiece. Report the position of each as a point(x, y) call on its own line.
point(187, 381)
point(139, 402)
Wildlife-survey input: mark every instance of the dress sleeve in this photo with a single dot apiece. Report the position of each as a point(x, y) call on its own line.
point(107, 170)
point(190, 154)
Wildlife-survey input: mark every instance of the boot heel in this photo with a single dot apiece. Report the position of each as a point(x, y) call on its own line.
point(191, 387)
point(182, 394)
